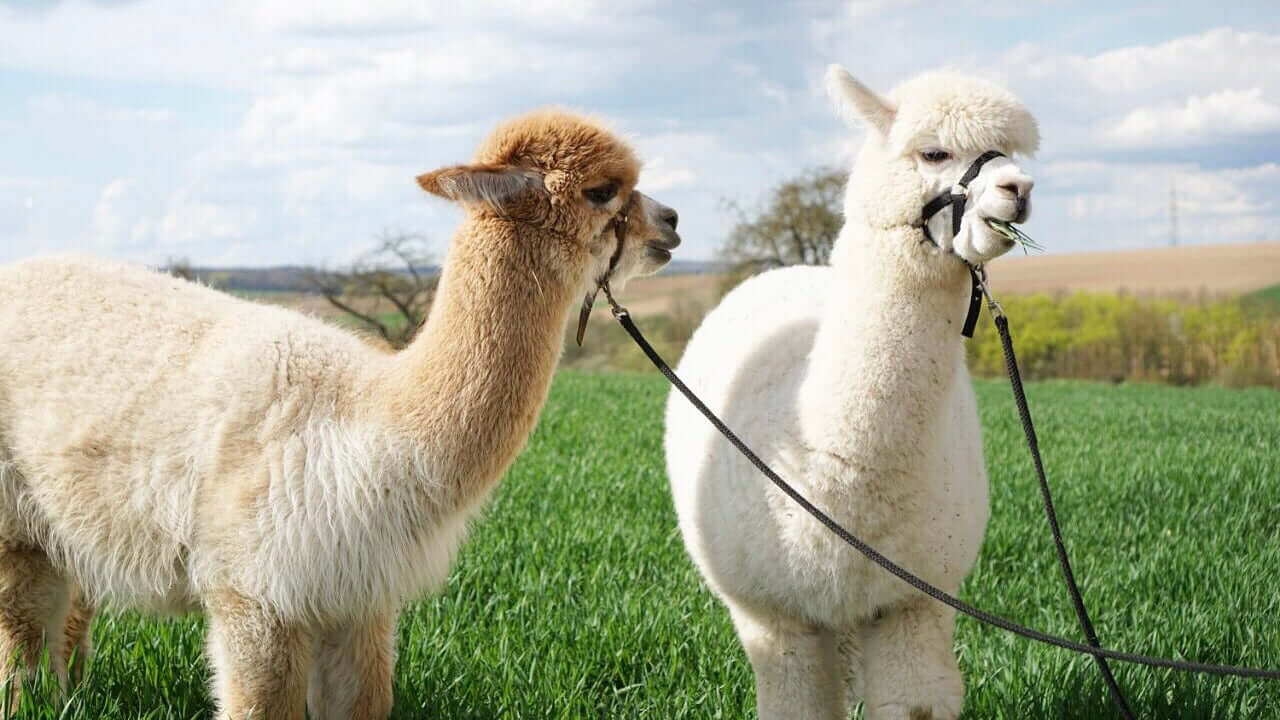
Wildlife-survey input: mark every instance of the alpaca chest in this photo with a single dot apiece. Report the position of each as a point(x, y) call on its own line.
point(347, 523)
point(930, 517)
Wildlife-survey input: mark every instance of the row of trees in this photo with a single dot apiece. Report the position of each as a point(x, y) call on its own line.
point(796, 225)
point(389, 289)
point(1234, 341)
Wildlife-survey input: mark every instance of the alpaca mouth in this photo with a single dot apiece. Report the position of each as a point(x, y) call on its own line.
point(670, 240)
point(658, 253)
point(660, 248)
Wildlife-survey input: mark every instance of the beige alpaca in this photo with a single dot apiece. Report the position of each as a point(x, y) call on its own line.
point(169, 447)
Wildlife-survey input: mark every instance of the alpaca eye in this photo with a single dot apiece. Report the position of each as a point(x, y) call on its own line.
point(935, 156)
point(601, 194)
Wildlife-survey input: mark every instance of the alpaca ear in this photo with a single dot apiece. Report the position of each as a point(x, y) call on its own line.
point(497, 186)
point(855, 103)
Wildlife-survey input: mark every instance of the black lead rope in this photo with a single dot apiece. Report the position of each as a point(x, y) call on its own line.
point(956, 199)
point(1068, 576)
point(624, 318)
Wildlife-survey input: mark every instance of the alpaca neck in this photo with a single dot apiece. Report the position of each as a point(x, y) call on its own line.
point(471, 385)
point(887, 349)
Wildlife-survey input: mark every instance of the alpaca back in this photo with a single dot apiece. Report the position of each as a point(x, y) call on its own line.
point(122, 391)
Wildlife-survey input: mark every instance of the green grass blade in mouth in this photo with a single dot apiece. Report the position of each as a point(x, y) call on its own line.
point(1011, 232)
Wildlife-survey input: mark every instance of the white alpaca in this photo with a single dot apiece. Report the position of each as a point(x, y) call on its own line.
point(169, 447)
point(850, 381)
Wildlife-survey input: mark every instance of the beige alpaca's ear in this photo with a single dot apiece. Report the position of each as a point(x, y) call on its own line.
point(856, 103)
point(495, 185)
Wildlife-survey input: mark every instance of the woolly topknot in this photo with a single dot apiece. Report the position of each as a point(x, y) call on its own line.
point(555, 141)
point(963, 113)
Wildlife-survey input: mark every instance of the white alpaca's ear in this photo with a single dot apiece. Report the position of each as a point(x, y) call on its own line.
point(856, 104)
point(499, 186)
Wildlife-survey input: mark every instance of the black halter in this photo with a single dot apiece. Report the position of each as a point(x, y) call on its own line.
point(956, 198)
point(619, 223)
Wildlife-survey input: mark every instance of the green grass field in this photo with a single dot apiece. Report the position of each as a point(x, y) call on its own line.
point(1270, 294)
point(574, 598)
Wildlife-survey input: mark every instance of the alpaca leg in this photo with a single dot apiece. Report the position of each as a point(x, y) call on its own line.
point(33, 602)
point(797, 668)
point(352, 672)
point(849, 646)
point(910, 664)
point(260, 663)
point(77, 641)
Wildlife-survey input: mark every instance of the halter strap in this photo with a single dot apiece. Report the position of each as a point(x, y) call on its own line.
point(620, 224)
point(957, 197)
point(960, 193)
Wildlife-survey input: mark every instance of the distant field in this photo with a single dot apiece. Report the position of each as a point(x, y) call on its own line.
point(1211, 269)
point(1217, 269)
point(574, 597)
point(661, 293)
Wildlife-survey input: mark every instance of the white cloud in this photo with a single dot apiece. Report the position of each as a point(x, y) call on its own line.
point(333, 107)
point(1198, 120)
point(1099, 204)
point(399, 16)
point(1211, 86)
point(190, 222)
point(119, 222)
point(56, 107)
point(858, 9)
point(660, 174)
point(182, 41)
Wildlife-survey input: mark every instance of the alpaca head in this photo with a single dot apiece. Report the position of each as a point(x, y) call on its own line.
point(921, 139)
point(572, 181)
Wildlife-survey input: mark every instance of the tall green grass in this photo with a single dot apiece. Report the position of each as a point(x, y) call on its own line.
point(574, 598)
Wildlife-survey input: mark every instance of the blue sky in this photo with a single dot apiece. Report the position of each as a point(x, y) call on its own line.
point(257, 132)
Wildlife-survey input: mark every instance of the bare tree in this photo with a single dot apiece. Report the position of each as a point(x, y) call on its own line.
point(388, 289)
point(797, 225)
point(180, 267)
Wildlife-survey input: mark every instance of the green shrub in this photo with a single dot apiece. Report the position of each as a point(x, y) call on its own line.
point(1095, 336)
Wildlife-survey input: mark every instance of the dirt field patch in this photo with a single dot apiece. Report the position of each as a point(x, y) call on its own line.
point(1216, 269)
point(1211, 269)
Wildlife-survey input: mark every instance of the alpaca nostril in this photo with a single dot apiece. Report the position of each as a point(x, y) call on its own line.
point(1012, 189)
point(670, 217)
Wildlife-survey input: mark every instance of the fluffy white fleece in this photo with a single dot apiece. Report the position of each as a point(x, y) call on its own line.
point(850, 381)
